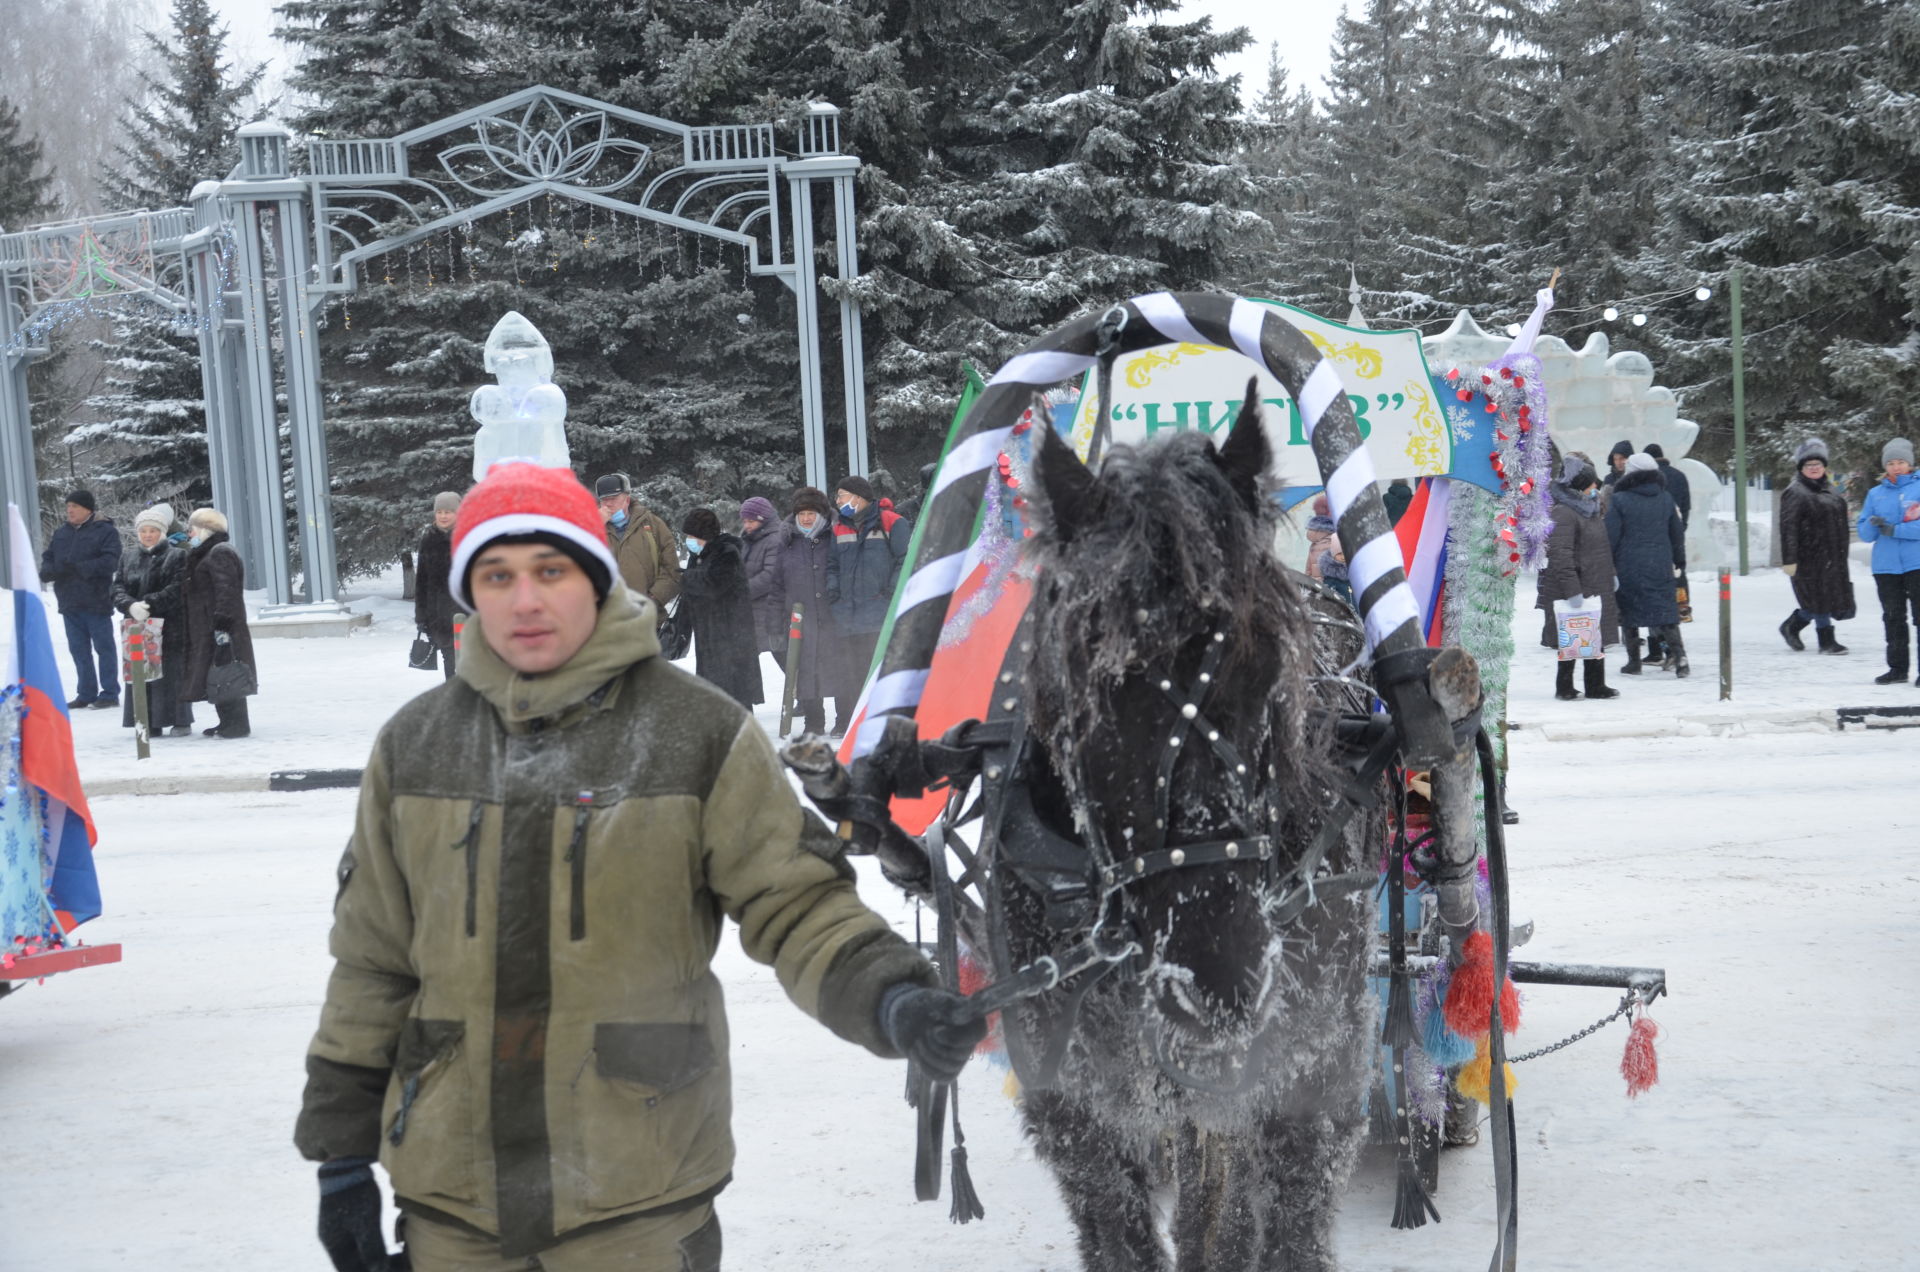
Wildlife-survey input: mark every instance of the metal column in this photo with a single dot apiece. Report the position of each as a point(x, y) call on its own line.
point(260, 419)
point(19, 482)
point(852, 353)
point(299, 339)
point(806, 307)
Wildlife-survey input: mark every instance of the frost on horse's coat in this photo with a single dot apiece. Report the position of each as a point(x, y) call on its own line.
point(1227, 1064)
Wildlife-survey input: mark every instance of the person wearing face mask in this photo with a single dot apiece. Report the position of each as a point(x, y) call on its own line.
point(1579, 563)
point(869, 550)
point(433, 608)
point(150, 584)
point(717, 609)
point(216, 610)
point(641, 541)
point(764, 535)
point(820, 669)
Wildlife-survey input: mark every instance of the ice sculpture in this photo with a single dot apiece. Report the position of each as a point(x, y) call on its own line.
point(523, 417)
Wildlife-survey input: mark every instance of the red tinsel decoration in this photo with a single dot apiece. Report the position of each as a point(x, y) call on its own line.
point(1640, 1066)
point(1453, 374)
point(1465, 395)
point(1470, 991)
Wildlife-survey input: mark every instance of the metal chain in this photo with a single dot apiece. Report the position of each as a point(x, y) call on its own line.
point(1626, 1005)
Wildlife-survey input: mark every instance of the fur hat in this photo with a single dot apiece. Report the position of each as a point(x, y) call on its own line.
point(1653, 449)
point(84, 498)
point(446, 501)
point(758, 509)
point(159, 515)
point(1642, 463)
point(612, 484)
point(525, 503)
point(856, 486)
point(1898, 448)
point(811, 499)
point(702, 524)
point(1812, 448)
point(212, 520)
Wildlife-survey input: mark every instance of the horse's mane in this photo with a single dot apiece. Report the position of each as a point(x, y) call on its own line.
point(1163, 550)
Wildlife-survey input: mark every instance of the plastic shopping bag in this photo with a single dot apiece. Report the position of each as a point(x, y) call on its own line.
point(1577, 619)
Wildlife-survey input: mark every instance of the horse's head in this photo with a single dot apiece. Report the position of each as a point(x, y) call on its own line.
point(1158, 593)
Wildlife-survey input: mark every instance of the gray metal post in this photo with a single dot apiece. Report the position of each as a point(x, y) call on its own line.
point(852, 353)
point(261, 418)
point(306, 425)
point(19, 482)
point(806, 306)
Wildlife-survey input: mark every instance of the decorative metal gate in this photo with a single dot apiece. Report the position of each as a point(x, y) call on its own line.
point(275, 246)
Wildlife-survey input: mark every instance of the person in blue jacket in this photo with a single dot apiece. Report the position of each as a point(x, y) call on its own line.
point(1890, 521)
point(80, 561)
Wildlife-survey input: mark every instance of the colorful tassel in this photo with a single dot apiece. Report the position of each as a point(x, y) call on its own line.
point(1470, 994)
point(1473, 1079)
point(1640, 1066)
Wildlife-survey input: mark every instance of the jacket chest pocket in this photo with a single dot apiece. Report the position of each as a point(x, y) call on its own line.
point(575, 859)
point(643, 1101)
point(428, 1144)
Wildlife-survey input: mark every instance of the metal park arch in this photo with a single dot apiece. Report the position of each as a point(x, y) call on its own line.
point(274, 245)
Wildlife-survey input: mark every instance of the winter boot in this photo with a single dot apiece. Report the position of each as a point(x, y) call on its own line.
point(1676, 659)
point(1563, 682)
point(1656, 646)
point(1829, 643)
point(1633, 653)
point(1595, 670)
point(1891, 676)
point(1791, 629)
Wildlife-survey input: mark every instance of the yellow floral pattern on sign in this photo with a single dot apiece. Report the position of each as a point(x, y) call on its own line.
point(1426, 445)
point(1139, 372)
point(1366, 362)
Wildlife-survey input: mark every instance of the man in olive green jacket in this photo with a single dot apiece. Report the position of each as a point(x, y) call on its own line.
point(522, 1022)
point(644, 550)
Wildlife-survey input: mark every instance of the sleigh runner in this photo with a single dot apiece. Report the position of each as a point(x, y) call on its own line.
point(1116, 759)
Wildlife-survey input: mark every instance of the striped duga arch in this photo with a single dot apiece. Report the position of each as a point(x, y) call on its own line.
point(1374, 563)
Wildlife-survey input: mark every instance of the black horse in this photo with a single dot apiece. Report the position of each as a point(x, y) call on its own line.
point(1180, 691)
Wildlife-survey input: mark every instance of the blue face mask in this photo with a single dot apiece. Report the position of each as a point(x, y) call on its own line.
point(694, 546)
point(848, 511)
point(620, 518)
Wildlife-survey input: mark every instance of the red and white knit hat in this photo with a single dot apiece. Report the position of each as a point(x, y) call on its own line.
point(522, 499)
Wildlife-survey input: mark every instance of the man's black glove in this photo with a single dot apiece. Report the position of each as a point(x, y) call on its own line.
point(350, 1218)
point(933, 1028)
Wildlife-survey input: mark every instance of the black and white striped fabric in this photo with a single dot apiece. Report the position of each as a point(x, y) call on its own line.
point(1260, 332)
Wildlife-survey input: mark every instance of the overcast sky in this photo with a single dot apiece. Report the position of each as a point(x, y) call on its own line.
point(1303, 29)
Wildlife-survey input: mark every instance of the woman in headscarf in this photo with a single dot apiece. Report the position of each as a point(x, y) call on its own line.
point(1579, 563)
point(1814, 536)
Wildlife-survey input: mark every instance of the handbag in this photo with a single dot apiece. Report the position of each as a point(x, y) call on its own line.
point(676, 632)
point(1849, 608)
point(425, 655)
point(230, 681)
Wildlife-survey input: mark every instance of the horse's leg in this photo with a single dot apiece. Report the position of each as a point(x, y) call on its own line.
point(1222, 1203)
point(1307, 1162)
point(1107, 1187)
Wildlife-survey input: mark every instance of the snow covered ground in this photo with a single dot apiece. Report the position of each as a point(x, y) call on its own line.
point(146, 1108)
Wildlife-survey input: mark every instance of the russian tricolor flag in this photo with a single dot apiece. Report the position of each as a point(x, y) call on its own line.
point(1422, 531)
point(46, 740)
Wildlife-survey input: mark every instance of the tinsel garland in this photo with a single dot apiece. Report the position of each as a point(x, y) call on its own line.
point(26, 922)
point(1478, 605)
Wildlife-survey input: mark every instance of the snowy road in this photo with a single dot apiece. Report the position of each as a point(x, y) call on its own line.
point(146, 1108)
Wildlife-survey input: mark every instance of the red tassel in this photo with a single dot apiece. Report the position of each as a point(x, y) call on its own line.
point(1640, 1066)
point(1470, 992)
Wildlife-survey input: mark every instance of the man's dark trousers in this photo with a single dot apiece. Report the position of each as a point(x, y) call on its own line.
point(88, 635)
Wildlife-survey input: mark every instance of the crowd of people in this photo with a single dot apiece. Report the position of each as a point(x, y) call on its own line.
point(180, 588)
point(1621, 542)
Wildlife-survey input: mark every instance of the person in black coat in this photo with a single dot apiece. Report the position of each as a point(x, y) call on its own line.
point(764, 534)
point(433, 607)
point(150, 584)
point(1677, 484)
point(1815, 532)
point(715, 606)
point(1579, 563)
point(216, 605)
point(79, 561)
point(1649, 544)
point(820, 667)
point(1617, 464)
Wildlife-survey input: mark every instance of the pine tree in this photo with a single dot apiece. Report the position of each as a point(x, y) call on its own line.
point(372, 68)
point(147, 439)
point(25, 184)
point(1797, 149)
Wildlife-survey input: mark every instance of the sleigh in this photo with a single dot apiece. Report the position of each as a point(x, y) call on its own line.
point(955, 777)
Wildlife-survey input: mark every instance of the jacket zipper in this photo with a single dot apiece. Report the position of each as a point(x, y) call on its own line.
point(471, 842)
point(577, 859)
